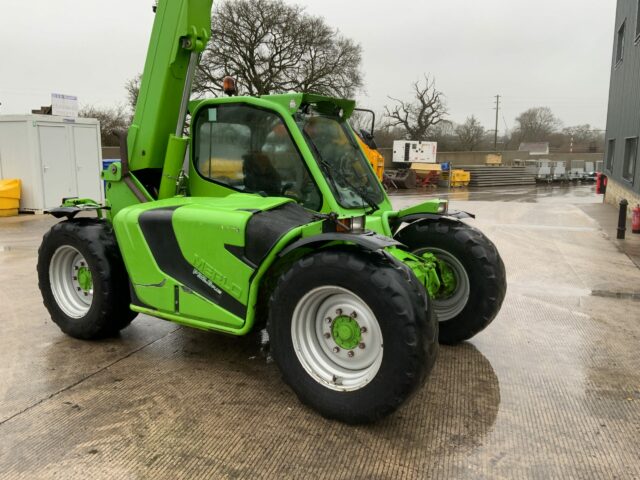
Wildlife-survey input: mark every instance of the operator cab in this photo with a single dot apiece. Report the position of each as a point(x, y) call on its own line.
point(251, 148)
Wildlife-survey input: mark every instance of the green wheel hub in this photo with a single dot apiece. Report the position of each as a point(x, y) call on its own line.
point(346, 332)
point(448, 279)
point(454, 286)
point(84, 279)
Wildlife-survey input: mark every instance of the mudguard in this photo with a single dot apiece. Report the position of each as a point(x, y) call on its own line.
point(432, 210)
point(368, 240)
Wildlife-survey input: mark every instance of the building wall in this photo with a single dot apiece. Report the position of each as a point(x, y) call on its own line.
point(616, 192)
point(623, 119)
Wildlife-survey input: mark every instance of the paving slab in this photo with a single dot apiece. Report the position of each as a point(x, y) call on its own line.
point(550, 390)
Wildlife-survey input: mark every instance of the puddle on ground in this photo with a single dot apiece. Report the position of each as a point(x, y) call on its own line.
point(612, 294)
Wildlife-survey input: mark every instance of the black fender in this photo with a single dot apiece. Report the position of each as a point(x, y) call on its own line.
point(370, 241)
point(453, 216)
point(71, 212)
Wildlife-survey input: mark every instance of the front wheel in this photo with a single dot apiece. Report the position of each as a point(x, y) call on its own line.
point(83, 280)
point(474, 278)
point(352, 334)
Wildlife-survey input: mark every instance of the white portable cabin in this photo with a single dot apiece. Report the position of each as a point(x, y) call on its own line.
point(54, 157)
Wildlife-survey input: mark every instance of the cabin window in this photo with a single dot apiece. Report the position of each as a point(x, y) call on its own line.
point(249, 149)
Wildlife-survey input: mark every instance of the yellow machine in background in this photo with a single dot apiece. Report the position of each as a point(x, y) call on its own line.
point(374, 156)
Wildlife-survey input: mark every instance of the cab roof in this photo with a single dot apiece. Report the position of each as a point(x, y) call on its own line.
point(291, 101)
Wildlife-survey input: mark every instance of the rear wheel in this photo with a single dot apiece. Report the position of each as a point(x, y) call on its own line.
point(82, 279)
point(475, 278)
point(352, 334)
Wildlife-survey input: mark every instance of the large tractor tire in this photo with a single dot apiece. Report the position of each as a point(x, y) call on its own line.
point(479, 275)
point(83, 280)
point(353, 334)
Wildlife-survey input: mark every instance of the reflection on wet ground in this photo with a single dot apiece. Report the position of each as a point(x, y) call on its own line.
point(568, 193)
point(550, 390)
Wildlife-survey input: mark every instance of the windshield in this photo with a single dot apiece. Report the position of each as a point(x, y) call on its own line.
point(349, 173)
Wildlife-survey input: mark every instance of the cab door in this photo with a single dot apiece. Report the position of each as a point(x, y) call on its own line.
point(244, 148)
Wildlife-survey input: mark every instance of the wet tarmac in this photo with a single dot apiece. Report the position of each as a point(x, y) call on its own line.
point(550, 390)
point(541, 193)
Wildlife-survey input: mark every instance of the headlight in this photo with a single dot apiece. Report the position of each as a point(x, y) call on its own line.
point(351, 224)
point(357, 224)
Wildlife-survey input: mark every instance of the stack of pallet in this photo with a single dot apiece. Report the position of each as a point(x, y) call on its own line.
point(482, 176)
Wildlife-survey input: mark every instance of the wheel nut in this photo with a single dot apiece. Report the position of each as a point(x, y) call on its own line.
point(339, 311)
point(327, 335)
point(329, 320)
point(363, 329)
point(361, 345)
point(351, 354)
point(336, 350)
point(354, 315)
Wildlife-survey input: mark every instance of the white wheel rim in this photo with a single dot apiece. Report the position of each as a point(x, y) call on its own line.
point(72, 299)
point(450, 307)
point(341, 369)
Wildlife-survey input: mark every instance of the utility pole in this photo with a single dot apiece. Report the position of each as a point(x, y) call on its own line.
point(495, 138)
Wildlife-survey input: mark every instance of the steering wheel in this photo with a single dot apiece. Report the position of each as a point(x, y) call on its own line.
point(346, 170)
point(290, 192)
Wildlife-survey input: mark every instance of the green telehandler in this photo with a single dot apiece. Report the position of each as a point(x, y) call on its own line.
point(267, 216)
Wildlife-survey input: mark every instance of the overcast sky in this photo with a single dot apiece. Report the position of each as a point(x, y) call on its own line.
point(554, 53)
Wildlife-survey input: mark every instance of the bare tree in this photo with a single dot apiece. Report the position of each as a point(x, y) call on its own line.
point(270, 47)
point(470, 133)
point(583, 134)
point(417, 116)
point(386, 135)
point(273, 47)
point(445, 134)
point(536, 124)
point(111, 119)
point(582, 138)
point(132, 86)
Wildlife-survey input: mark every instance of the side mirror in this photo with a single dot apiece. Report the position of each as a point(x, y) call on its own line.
point(373, 119)
point(368, 139)
point(367, 136)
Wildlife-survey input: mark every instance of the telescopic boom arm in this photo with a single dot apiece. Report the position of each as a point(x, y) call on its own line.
point(181, 30)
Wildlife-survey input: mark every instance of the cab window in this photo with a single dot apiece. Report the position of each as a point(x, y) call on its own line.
point(250, 150)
